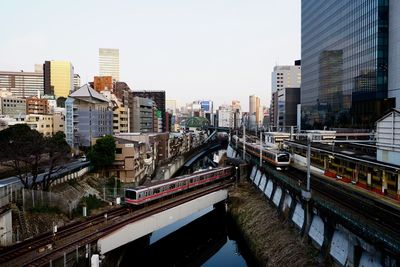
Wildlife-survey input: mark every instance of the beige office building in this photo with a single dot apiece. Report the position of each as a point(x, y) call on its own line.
point(41, 123)
point(109, 63)
point(255, 108)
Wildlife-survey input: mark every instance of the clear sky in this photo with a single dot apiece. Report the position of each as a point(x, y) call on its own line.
point(205, 49)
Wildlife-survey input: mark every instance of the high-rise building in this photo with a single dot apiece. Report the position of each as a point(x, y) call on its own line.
point(170, 106)
point(159, 98)
point(143, 118)
point(58, 78)
point(283, 77)
point(22, 84)
point(208, 107)
point(255, 110)
point(286, 76)
point(288, 99)
point(77, 81)
point(109, 62)
point(394, 52)
point(344, 54)
point(225, 116)
point(237, 114)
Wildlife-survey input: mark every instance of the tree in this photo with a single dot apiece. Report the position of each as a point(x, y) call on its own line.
point(102, 154)
point(58, 152)
point(61, 102)
point(22, 149)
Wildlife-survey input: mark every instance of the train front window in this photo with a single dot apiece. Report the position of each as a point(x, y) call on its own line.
point(130, 194)
point(283, 158)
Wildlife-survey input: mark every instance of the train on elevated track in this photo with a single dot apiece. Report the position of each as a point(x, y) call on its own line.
point(279, 159)
point(145, 194)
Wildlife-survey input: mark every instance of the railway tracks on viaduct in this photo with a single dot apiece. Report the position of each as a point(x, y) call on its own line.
point(45, 248)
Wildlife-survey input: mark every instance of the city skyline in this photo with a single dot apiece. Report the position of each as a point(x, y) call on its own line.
point(208, 49)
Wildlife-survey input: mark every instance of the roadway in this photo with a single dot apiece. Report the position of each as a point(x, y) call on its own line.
point(67, 168)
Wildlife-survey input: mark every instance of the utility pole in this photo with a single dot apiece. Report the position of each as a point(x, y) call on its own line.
point(306, 194)
point(261, 146)
point(244, 142)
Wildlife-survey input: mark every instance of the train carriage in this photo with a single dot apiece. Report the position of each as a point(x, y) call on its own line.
point(277, 158)
point(145, 194)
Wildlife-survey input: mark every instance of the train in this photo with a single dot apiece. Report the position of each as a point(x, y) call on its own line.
point(144, 194)
point(279, 159)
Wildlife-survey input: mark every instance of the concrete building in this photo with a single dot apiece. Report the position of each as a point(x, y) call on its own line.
point(7, 121)
point(170, 106)
point(142, 111)
point(256, 110)
point(101, 83)
point(58, 122)
point(109, 63)
point(388, 137)
point(41, 123)
point(225, 116)
point(345, 80)
point(120, 113)
point(131, 160)
point(58, 78)
point(237, 114)
point(288, 99)
point(208, 107)
point(36, 105)
point(77, 81)
point(22, 84)
point(394, 52)
point(88, 116)
point(159, 99)
point(157, 141)
point(286, 76)
point(12, 106)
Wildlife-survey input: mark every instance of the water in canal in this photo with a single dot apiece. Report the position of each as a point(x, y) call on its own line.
point(206, 238)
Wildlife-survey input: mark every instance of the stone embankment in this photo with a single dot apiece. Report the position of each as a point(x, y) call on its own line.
point(268, 235)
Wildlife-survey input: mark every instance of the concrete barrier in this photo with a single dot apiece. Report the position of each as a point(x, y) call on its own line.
point(339, 247)
point(269, 188)
point(277, 196)
point(316, 232)
point(298, 215)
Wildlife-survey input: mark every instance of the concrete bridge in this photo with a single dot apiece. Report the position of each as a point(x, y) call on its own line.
point(145, 226)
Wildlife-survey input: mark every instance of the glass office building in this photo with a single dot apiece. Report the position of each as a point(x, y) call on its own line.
point(344, 52)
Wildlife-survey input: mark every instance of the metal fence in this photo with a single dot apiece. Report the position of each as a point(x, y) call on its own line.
point(39, 198)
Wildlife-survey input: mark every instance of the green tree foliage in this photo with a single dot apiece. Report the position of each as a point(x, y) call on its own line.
point(58, 152)
point(61, 102)
point(102, 153)
point(24, 149)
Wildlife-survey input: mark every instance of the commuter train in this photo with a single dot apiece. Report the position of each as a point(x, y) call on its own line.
point(145, 194)
point(279, 159)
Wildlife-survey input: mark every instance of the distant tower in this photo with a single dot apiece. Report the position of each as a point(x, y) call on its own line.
point(109, 62)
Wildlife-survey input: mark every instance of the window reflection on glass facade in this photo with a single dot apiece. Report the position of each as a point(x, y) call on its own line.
point(344, 62)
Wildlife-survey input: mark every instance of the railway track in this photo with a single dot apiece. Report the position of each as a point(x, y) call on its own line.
point(373, 211)
point(81, 238)
point(42, 240)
